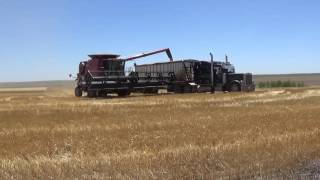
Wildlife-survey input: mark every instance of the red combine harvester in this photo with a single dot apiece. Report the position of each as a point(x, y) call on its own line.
point(105, 73)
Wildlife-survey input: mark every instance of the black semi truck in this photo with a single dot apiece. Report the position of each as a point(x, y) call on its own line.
point(103, 74)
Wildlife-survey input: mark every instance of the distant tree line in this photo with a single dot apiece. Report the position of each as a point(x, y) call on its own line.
point(274, 84)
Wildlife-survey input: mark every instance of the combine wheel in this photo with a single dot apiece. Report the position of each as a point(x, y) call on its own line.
point(78, 92)
point(92, 93)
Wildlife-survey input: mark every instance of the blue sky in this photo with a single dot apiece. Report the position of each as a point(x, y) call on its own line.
point(45, 40)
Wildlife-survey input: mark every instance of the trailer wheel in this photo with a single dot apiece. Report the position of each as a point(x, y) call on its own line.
point(189, 89)
point(123, 93)
point(78, 92)
point(102, 93)
point(151, 91)
point(179, 88)
point(234, 87)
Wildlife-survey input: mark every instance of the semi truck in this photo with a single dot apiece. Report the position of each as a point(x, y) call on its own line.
point(105, 74)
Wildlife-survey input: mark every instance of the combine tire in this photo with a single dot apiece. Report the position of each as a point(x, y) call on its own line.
point(92, 93)
point(235, 87)
point(78, 92)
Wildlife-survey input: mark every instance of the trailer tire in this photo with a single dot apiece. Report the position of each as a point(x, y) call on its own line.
point(151, 91)
point(123, 93)
point(178, 88)
point(234, 87)
point(189, 89)
point(102, 93)
point(78, 92)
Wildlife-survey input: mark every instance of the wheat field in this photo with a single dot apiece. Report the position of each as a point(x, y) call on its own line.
point(265, 134)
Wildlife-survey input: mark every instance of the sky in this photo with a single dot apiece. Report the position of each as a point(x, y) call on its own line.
point(46, 40)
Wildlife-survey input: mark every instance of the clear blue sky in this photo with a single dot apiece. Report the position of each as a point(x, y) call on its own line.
point(45, 40)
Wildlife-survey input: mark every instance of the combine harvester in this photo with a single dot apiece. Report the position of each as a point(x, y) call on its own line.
point(103, 74)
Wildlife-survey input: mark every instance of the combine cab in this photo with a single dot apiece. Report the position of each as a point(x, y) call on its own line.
point(105, 73)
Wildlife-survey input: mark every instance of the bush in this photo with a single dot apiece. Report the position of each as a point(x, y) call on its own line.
point(275, 84)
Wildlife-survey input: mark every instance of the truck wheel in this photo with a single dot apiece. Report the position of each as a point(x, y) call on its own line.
point(123, 93)
point(235, 87)
point(78, 92)
point(92, 93)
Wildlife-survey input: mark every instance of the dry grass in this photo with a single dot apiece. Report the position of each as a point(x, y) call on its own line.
point(25, 89)
point(192, 136)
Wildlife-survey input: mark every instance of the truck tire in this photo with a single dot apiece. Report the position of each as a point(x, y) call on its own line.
point(234, 87)
point(78, 92)
point(123, 92)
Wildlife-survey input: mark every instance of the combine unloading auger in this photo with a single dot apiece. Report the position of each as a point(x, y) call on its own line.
point(167, 51)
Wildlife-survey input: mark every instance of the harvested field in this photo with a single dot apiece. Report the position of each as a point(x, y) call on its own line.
point(27, 89)
point(268, 134)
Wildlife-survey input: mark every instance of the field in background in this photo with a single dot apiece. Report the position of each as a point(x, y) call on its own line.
point(279, 84)
point(272, 133)
point(307, 79)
